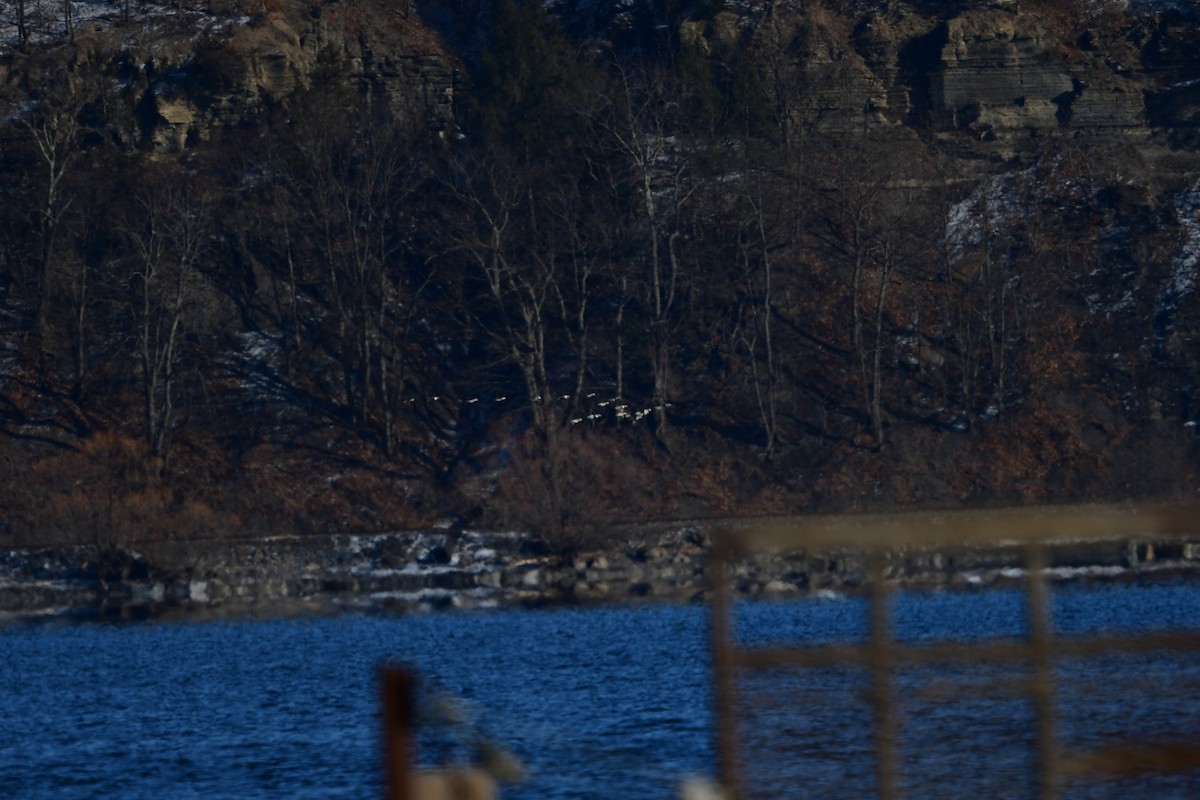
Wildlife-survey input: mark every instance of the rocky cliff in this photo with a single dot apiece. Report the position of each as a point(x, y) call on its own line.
point(964, 71)
point(178, 77)
point(994, 84)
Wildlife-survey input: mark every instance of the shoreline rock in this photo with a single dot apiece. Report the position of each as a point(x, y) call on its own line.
point(414, 571)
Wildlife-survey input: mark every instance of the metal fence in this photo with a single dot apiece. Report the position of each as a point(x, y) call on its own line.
point(882, 541)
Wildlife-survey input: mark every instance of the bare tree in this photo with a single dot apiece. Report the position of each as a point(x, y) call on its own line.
point(871, 224)
point(167, 234)
point(21, 20)
point(352, 205)
point(55, 132)
point(538, 256)
point(756, 334)
point(658, 178)
point(789, 91)
point(856, 210)
point(340, 281)
point(886, 265)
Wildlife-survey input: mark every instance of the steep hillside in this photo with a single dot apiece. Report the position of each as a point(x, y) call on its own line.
point(272, 265)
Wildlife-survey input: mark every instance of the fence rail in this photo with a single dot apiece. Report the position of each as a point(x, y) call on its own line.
point(1036, 532)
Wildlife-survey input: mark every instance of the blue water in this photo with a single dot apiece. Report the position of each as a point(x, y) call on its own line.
point(599, 703)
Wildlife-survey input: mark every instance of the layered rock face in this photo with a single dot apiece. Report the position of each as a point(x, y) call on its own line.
point(996, 75)
point(174, 81)
point(998, 78)
point(999, 74)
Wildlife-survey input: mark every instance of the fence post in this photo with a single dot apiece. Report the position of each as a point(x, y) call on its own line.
point(1042, 686)
point(724, 667)
point(879, 645)
point(396, 687)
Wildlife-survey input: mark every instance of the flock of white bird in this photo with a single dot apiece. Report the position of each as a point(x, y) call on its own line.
point(621, 411)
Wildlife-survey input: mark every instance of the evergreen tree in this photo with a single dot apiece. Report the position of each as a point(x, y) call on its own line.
point(525, 82)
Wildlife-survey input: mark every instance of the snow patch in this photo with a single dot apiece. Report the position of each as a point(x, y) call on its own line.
point(1183, 271)
point(1187, 211)
point(992, 206)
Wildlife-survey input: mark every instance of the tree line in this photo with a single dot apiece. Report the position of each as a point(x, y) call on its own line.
point(613, 262)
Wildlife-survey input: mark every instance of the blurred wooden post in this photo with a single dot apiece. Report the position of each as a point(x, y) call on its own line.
point(724, 666)
point(1036, 529)
point(1041, 635)
point(883, 712)
point(396, 687)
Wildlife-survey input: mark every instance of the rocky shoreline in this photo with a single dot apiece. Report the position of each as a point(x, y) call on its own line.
point(430, 570)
